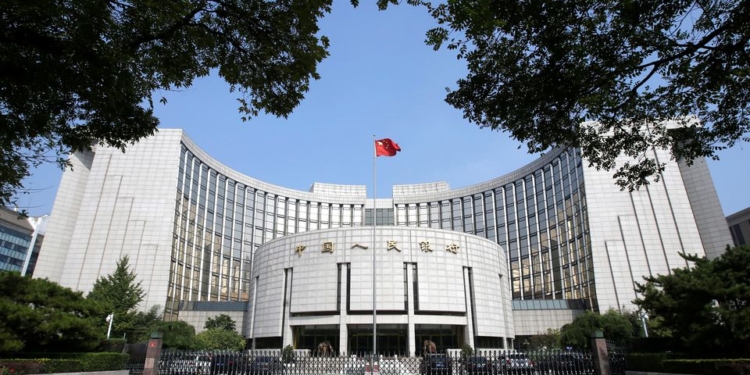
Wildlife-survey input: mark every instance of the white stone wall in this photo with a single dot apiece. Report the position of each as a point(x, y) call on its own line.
point(706, 207)
point(122, 205)
point(639, 233)
point(64, 218)
point(443, 284)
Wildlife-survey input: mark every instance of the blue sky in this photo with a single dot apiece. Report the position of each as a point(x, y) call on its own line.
point(380, 79)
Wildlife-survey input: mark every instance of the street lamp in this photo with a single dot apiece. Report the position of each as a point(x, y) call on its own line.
point(110, 319)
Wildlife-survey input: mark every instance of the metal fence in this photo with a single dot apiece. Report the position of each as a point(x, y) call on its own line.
point(135, 365)
point(616, 354)
point(454, 363)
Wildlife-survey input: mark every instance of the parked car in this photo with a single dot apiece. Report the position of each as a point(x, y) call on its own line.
point(392, 366)
point(436, 364)
point(516, 363)
point(189, 365)
point(203, 363)
point(226, 363)
point(478, 365)
point(565, 362)
point(355, 367)
point(265, 365)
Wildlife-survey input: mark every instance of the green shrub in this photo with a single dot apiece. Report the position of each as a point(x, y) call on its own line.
point(287, 355)
point(76, 362)
point(21, 366)
point(40, 366)
point(654, 345)
point(735, 368)
point(104, 361)
point(649, 362)
point(112, 346)
point(54, 366)
point(708, 366)
point(35, 355)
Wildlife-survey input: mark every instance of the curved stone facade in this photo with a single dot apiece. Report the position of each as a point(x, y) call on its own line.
point(424, 278)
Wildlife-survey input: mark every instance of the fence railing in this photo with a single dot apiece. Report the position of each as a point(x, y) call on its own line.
point(135, 365)
point(616, 354)
point(553, 362)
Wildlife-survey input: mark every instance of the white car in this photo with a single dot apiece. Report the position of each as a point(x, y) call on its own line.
point(518, 363)
point(202, 363)
point(191, 365)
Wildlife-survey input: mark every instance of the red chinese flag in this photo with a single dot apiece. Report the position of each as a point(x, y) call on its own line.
point(386, 147)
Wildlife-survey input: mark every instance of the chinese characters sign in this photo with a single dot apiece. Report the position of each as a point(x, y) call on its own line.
point(425, 246)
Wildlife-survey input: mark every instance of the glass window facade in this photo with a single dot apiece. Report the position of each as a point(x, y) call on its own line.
point(16, 237)
point(13, 248)
point(539, 219)
point(384, 216)
point(219, 222)
point(737, 237)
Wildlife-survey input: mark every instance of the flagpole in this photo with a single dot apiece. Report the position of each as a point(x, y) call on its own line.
point(374, 247)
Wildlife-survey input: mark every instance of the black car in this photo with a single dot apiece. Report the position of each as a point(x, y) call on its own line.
point(436, 364)
point(226, 364)
point(478, 365)
point(265, 365)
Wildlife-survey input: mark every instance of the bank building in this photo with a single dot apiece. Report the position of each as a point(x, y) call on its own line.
point(486, 265)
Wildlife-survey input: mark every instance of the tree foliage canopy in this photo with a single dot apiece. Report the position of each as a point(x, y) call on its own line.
point(119, 293)
point(617, 326)
point(221, 321)
point(541, 70)
point(220, 339)
point(177, 335)
point(39, 315)
point(77, 72)
point(706, 306)
point(144, 323)
point(547, 340)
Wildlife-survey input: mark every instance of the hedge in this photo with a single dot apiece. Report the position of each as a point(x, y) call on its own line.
point(104, 361)
point(739, 366)
point(112, 346)
point(21, 366)
point(76, 362)
point(654, 345)
point(649, 362)
point(53, 366)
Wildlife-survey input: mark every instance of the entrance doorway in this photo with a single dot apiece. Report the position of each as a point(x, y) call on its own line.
point(392, 339)
point(444, 336)
point(308, 337)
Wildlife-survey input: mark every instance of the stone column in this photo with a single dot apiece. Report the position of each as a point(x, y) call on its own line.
point(599, 349)
point(469, 328)
point(153, 352)
point(410, 327)
point(343, 316)
point(286, 331)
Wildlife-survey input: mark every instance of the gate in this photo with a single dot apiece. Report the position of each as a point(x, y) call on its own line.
point(452, 362)
point(616, 354)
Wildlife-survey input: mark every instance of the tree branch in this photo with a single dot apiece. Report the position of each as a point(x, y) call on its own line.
point(689, 49)
point(185, 21)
